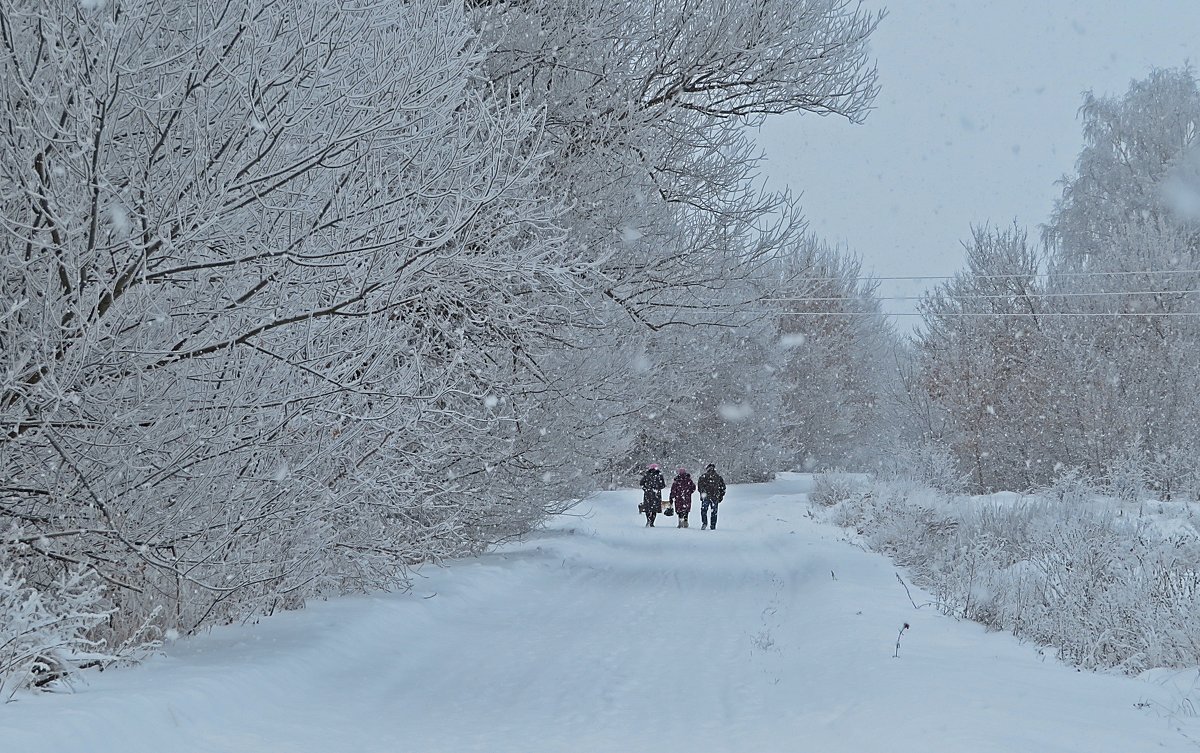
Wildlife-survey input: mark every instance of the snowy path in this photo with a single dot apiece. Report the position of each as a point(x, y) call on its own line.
point(602, 635)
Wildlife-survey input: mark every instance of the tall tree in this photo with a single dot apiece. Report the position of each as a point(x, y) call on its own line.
point(977, 363)
point(835, 360)
point(1122, 245)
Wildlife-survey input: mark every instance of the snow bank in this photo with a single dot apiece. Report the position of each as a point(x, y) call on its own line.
point(1105, 586)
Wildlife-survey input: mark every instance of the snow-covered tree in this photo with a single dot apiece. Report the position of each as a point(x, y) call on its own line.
point(1125, 255)
point(977, 363)
point(1132, 144)
point(272, 274)
point(1084, 356)
point(646, 113)
point(835, 360)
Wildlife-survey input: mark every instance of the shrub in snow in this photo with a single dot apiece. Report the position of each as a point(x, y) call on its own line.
point(44, 632)
point(927, 463)
point(1127, 478)
point(1071, 488)
point(835, 486)
point(56, 621)
point(1175, 473)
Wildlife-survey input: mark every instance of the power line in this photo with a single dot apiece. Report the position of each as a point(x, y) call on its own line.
point(989, 296)
point(1048, 275)
point(1000, 314)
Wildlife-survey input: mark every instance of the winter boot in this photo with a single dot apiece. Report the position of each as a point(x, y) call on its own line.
point(704, 526)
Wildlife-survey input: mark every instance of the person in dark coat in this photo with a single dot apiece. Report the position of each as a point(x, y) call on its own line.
point(712, 490)
point(682, 489)
point(652, 485)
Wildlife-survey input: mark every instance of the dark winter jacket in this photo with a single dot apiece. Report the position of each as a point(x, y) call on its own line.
point(711, 486)
point(682, 489)
point(652, 481)
point(652, 484)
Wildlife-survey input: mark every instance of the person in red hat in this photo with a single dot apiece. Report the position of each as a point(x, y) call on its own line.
point(682, 489)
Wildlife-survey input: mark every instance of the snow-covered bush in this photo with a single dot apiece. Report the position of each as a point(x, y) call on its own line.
point(51, 628)
point(44, 633)
point(1175, 472)
point(1106, 589)
point(925, 463)
point(832, 487)
point(1071, 489)
point(1126, 477)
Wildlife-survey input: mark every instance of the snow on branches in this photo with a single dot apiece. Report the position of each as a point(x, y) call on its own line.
point(265, 262)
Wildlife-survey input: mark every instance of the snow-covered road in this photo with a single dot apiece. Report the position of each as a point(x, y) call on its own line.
point(770, 634)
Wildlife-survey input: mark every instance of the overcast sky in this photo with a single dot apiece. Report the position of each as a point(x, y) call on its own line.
point(976, 121)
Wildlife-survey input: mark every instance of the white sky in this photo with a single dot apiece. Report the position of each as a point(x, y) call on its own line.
point(976, 120)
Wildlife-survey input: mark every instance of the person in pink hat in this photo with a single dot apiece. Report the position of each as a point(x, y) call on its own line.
point(652, 485)
point(682, 489)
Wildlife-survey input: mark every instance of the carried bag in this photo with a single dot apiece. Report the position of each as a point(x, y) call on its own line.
point(669, 511)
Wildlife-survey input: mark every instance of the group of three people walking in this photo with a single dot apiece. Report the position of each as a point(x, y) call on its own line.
point(711, 487)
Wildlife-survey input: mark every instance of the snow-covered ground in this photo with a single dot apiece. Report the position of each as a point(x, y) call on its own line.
point(772, 633)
